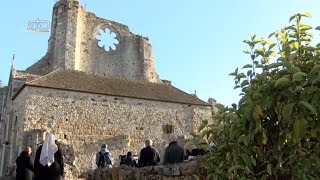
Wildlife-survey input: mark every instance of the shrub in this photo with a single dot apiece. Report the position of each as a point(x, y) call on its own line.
point(273, 132)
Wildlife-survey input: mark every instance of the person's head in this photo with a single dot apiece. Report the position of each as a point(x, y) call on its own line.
point(28, 150)
point(148, 142)
point(129, 154)
point(56, 142)
point(50, 138)
point(173, 138)
point(104, 146)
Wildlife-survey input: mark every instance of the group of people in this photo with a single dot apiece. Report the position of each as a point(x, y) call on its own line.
point(149, 156)
point(48, 163)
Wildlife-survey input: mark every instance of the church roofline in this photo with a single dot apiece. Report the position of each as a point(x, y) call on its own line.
point(61, 79)
point(20, 90)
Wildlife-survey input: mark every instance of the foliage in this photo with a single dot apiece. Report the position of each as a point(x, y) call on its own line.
point(274, 130)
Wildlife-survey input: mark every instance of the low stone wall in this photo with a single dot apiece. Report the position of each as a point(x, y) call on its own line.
point(184, 171)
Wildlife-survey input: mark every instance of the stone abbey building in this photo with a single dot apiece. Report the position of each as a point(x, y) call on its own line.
point(88, 92)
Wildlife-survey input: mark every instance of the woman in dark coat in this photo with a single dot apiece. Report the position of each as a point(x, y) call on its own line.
point(24, 165)
point(48, 163)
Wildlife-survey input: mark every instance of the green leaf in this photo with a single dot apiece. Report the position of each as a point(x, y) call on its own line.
point(243, 138)
point(247, 66)
point(247, 52)
point(287, 110)
point(315, 68)
point(308, 106)
point(253, 36)
point(300, 127)
point(271, 34)
point(269, 169)
point(234, 168)
point(305, 27)
point(220, 107)
point(264, 138)
point(306, 14)
point(292, 17)
point(317, 28)
point(299, 76)
point(273, 65)
point(247, 42)
point(236, 87)
point(254, 162)
point(234, 105)
point(282, 83)
point(244, 83)
point(292, 27)
point(241, 75)
point(257, 112)
point(271, 46)
point(288, 65)
point(314, 133)
point(203, 124)
point(246, 159)
point(296, 45)
point(272, 53)
point(293, 56)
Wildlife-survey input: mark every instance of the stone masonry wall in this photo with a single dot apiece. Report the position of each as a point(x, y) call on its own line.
point(73, 44)
point(82, 122)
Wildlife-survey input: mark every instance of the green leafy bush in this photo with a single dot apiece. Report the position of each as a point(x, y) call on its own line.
point(273, 132)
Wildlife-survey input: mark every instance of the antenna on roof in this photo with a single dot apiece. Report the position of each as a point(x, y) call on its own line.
point(12, 63)
point(195, 92)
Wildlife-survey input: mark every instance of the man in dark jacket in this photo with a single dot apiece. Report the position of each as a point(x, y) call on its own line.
point(149, 156)
point(173, 153)
point(24, 165)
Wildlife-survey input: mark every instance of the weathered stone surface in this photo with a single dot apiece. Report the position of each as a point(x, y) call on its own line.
point(183, 171)
point(82, 125)
point(73, 45)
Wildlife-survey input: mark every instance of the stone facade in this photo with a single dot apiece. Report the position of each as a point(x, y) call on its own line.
point(84, 121)
point(183, 171)
point(73, 45)
point(88, 94)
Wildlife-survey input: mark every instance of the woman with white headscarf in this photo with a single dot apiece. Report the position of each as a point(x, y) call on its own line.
point(48, 163)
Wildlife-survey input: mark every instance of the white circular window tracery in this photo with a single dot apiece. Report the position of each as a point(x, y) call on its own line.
point(107, 39)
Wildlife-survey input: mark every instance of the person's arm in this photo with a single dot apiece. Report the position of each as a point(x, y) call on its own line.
point(37, 164)
point(30, 164)
point(141, 159)
point(182, 154)
point(97, 158)
point(60, 161)
point(165, 158)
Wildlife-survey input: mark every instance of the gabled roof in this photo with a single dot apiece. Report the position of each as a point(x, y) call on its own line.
point(82, 82)
point(25, 75)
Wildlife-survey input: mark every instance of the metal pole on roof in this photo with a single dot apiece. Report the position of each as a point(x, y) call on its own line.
point(12, 63)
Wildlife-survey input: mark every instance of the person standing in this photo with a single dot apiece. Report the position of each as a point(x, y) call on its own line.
point(129, 161)
point(48, 163)
point(149, 156)
point(173, 153)
point(104, 158)
point(24, 165)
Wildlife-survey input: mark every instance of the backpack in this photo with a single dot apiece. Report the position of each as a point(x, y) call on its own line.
point(104, 159)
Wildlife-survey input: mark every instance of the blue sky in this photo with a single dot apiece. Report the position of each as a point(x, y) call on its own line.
point(196, 44)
